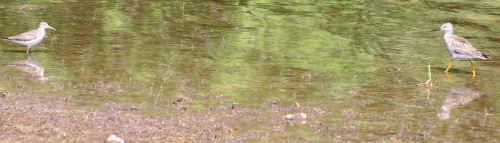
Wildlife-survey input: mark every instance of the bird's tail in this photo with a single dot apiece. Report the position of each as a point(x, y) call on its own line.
point(485, 56)
point(5, 38)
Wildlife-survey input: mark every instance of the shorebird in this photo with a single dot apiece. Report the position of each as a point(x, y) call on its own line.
point(459, 47)
point(30, 38)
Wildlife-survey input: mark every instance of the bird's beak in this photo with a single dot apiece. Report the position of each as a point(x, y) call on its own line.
point(51, 28)
point(437, 29)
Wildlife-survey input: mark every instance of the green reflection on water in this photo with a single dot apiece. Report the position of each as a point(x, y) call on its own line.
point(362, 55)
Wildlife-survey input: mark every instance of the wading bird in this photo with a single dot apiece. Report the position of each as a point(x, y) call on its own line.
point(30, 38)
point(459, 47)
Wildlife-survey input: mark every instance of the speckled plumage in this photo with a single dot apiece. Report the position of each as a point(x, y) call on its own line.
point(459, 47)
point(462, 48)
point(30, 38)
point(26, 36)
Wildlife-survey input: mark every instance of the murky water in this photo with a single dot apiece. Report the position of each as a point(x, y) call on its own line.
point(361, 60)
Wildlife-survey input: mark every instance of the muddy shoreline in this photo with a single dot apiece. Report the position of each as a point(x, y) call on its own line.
point(52, 119)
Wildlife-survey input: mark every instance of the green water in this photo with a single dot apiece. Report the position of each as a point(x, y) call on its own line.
point(362, 56)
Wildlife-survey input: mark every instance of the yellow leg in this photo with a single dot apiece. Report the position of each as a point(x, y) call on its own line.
point(449, 66)
point(473, 71)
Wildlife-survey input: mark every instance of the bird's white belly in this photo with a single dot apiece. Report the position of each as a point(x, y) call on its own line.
point(457, 56)
point(29, 43)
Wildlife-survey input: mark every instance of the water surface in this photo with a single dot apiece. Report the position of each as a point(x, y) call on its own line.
point(360, 60)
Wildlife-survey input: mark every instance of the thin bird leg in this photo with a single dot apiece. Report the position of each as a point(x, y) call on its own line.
point(449, 66)
point(29, 50)
point(473, 71)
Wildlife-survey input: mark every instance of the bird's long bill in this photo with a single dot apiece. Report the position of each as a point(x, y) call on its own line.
point(437, 29)
point(51, 28)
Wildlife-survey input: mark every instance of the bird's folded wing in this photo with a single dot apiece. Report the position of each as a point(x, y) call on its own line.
point(26, 36)
point(464, 47)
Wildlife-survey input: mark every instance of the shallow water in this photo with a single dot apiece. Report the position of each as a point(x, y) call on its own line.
point(360, 60)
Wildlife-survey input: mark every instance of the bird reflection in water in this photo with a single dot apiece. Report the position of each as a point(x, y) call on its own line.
point(456, 98)
point(30, 66)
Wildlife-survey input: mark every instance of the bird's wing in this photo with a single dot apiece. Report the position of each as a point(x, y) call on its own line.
point(465, 47)
point(26, 36)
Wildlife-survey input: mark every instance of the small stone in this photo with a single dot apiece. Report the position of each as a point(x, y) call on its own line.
point(181, 100)
point(297, 118)
point(114, 139)
point(3, 93)
point(233, 105)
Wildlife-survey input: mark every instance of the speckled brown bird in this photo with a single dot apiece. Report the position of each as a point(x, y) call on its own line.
point(459, 47)
point(30, 38)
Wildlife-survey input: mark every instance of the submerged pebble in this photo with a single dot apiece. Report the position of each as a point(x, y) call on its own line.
point(297, 118)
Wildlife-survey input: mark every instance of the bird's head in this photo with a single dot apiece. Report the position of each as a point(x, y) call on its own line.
point(45, 25)
point(446, 27)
